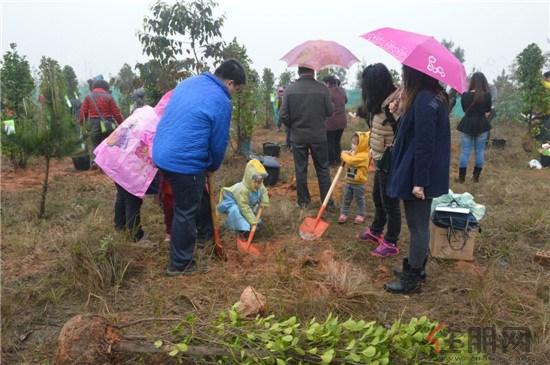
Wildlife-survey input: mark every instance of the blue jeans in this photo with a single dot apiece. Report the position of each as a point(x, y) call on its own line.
point(188, 191)
point(468, 143)
point(352, 191)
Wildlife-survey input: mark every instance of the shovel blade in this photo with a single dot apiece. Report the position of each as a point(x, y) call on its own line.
point(250, 249)
point(310, 230)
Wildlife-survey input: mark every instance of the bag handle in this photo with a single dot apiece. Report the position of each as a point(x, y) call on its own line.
point(453, 233)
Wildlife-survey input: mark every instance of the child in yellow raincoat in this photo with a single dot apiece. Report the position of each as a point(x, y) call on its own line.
point(242, 200)
point(357, 164)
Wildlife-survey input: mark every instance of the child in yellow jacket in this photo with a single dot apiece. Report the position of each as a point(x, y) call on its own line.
point(357, 164)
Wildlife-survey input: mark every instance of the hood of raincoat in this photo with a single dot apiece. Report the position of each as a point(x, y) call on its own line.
point(363, 145)
point(253, 170)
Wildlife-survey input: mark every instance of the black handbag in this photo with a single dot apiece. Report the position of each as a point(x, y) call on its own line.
point(384, 163)
point(457, 222)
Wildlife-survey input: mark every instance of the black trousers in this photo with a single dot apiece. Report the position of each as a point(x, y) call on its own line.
point(127, 213)
point(205, 228)
point(417, 213)
point(188, 193)
point(386, 209)
point(334, 146)
point(319, 155)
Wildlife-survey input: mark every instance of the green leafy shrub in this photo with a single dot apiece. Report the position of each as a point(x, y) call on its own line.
point(267, 340)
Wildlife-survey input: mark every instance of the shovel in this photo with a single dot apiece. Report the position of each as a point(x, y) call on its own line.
point(247, 246)
point(218, 248)
point(313, 228)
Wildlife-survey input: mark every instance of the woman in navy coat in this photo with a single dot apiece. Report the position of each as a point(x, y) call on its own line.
point(419, 168)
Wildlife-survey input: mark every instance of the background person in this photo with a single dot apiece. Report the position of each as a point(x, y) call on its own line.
point(474, 126)
point(100, 111)
point(337, 122)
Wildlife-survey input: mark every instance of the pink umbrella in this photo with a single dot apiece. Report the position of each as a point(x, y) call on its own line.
point(423, 53)
point(320, 54)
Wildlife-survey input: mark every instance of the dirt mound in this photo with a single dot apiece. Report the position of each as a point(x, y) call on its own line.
point(86, 339)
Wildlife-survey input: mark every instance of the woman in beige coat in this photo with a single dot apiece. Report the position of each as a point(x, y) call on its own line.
point(378, 93)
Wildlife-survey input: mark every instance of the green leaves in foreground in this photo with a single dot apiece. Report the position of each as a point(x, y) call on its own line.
point(267, 340)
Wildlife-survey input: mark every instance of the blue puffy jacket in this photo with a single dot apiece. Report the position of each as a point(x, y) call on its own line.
point(193, 132)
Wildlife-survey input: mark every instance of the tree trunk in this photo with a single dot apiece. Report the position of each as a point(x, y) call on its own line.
point(42, 210)
point(267, 114)
point(146, 347)
point(239, 137)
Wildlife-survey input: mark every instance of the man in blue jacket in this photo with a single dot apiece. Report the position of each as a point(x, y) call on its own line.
point(190, 142)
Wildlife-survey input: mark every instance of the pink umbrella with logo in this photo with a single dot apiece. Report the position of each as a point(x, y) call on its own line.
point(320, 54)
point(423, 53)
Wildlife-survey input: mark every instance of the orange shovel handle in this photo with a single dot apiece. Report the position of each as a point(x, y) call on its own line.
point(329, 193)
point(253, 229)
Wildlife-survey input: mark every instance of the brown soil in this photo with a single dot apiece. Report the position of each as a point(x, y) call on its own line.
point(33, 176)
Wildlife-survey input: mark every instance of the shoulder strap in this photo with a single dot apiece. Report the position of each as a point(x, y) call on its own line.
point(95, 105)
point(390, 119)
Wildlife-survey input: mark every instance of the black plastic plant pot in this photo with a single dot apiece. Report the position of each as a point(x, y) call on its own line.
point(544, 160)
point(81, 162)
point(499, 143)
point(272, 167)
point(271, 149)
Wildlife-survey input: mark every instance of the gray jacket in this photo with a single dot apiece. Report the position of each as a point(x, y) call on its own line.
point(306, 106)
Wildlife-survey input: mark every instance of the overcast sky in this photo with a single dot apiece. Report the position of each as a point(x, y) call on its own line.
point(97, 36)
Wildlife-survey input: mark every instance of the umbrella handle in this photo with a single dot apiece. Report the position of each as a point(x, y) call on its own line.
point(329, 193)
point(253, 229)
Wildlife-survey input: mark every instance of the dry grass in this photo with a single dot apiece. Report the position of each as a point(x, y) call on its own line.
point(73, 262)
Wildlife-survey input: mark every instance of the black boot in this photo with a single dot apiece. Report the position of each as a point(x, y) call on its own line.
point(461, 175)
point(477, 172)
point(422, 275)
point(408, 283)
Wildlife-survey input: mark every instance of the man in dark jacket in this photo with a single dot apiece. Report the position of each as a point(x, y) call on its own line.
point(306, 106)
